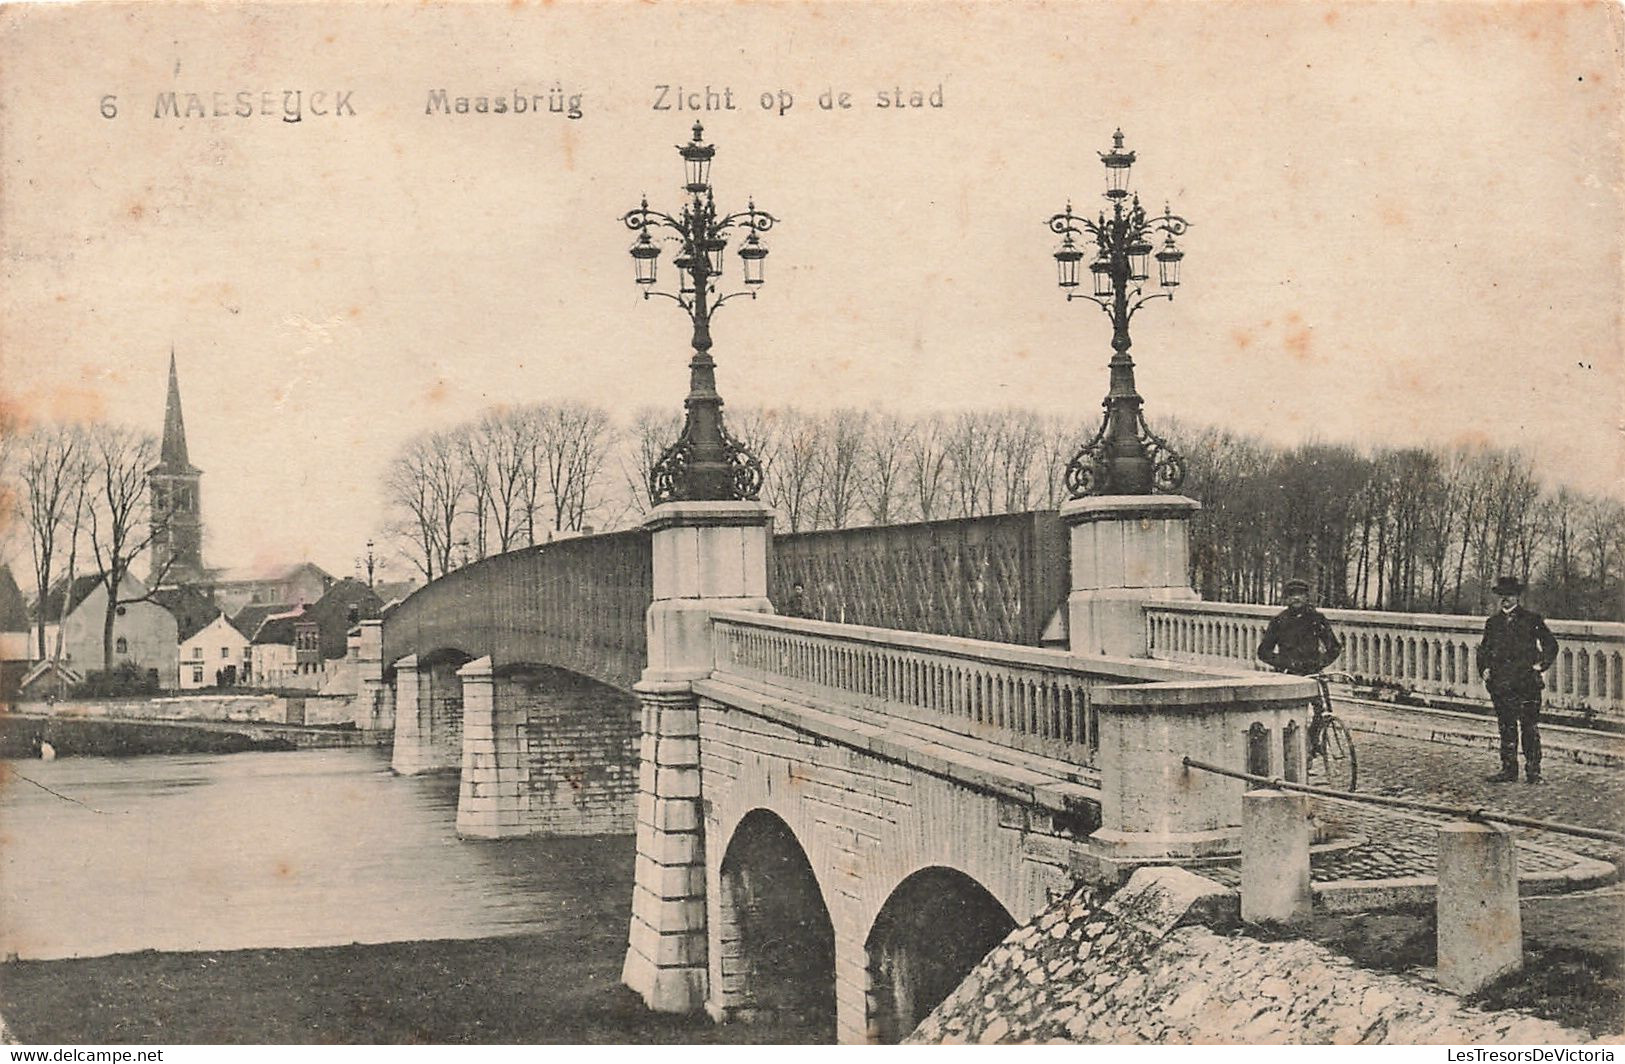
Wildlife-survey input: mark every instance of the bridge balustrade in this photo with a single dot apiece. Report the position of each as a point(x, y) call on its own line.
point(1428, 654)
point(1025, 698)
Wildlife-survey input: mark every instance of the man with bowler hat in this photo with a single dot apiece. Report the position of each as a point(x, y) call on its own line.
point(1513, 657)
point(1299, 639)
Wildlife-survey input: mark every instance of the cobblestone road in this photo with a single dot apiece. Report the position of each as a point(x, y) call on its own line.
point(1587, 795)
point(1399, 844)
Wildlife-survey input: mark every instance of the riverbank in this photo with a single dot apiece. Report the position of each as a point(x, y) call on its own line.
point(560, 985)
point(540, 988)
point(103, 737)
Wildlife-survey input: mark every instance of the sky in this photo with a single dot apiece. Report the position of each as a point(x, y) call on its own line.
point(1406, 223)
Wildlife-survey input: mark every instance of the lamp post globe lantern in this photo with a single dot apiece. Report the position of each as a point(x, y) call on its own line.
point(645, 255)
point(1124, 457)
point(705, 462)
point(1168, 259)
point(753, 255)
point(1067, 257)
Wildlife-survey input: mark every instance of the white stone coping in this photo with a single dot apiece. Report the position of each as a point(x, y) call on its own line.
point(1126, 507)
point(1206, 695)
point(719, 513)
point(1134, 669)
point(1463, 623)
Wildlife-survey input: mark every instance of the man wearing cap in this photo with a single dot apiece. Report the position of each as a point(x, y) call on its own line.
point(1299, 639)
point(1513, 657)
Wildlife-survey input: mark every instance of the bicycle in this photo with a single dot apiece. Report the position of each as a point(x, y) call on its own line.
point(1331, 747)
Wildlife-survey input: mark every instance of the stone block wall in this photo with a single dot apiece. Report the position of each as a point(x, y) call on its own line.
point(582, 742)
point(195, 707)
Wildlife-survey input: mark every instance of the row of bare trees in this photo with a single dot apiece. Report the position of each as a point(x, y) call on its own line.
point(78, 494)
point(1424, 529)
point(832, 469)
point(514, 477)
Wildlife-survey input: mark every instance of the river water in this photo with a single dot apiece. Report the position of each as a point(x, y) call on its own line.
point(213, 852)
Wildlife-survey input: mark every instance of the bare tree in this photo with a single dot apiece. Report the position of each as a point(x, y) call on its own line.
point(970, 443)
point(790, 484)
point(652, 431)
point(928, 466)
point(122, 523)
point(53, 468)
point(1019, 451)
point(573, 443)
point(884, 457)
point(428, 487)
point(842, 440)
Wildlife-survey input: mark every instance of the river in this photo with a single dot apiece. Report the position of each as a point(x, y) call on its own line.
point(219, 852)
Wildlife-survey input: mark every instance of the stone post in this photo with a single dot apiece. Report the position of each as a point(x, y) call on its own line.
point(411, 719)
point(1127, 550)
point(706, 556)
point(375, 713)
point(1480, 927)
point(1275, 859)
point(491, 793)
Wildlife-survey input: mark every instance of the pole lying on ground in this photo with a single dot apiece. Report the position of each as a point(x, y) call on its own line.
point(1460, 812)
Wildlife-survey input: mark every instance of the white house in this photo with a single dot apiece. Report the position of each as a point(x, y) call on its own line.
point(144, 633)
point(213, 656)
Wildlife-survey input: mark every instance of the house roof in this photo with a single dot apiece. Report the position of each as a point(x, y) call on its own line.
point(267, 578)
point(345, 603)
point(13, 608)
point(279, 627)
point(249, 619)
point(192, 609)
point(390, 590)
point(81, 589)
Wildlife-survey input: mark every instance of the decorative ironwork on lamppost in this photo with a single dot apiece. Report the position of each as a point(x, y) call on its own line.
point(706, 462)
point(1124, 457)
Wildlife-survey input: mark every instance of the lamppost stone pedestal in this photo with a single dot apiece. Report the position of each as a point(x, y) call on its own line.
point(706, 556)
point(1127, 550)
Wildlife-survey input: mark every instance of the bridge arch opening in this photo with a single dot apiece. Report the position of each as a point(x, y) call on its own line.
point(777, 940)
point(931, 932)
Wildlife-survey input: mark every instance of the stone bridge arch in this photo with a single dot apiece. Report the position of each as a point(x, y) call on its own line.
point(936, 926)
point(775, 941)
point(878, 837)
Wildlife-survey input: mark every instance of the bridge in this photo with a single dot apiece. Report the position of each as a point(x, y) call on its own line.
point(842, 813)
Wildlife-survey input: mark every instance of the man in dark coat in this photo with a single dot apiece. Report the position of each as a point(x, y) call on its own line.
point(1299, 639)
point(1513, 657)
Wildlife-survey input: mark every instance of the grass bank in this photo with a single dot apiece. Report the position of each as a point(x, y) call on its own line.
point(561, 985)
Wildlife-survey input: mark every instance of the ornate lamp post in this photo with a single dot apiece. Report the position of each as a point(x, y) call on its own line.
point(706, 462)
point(1124, 457)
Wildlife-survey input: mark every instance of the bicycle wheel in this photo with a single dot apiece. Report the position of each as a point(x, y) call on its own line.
point(1340, 770)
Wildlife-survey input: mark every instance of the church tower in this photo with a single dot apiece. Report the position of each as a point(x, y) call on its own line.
point(177, 521)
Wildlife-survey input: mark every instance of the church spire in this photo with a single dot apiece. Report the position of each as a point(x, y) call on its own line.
point(173, 455)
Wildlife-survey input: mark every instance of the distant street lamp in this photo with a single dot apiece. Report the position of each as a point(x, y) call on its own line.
point(705, 462)
point(372, 563)
point(1124, 457)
